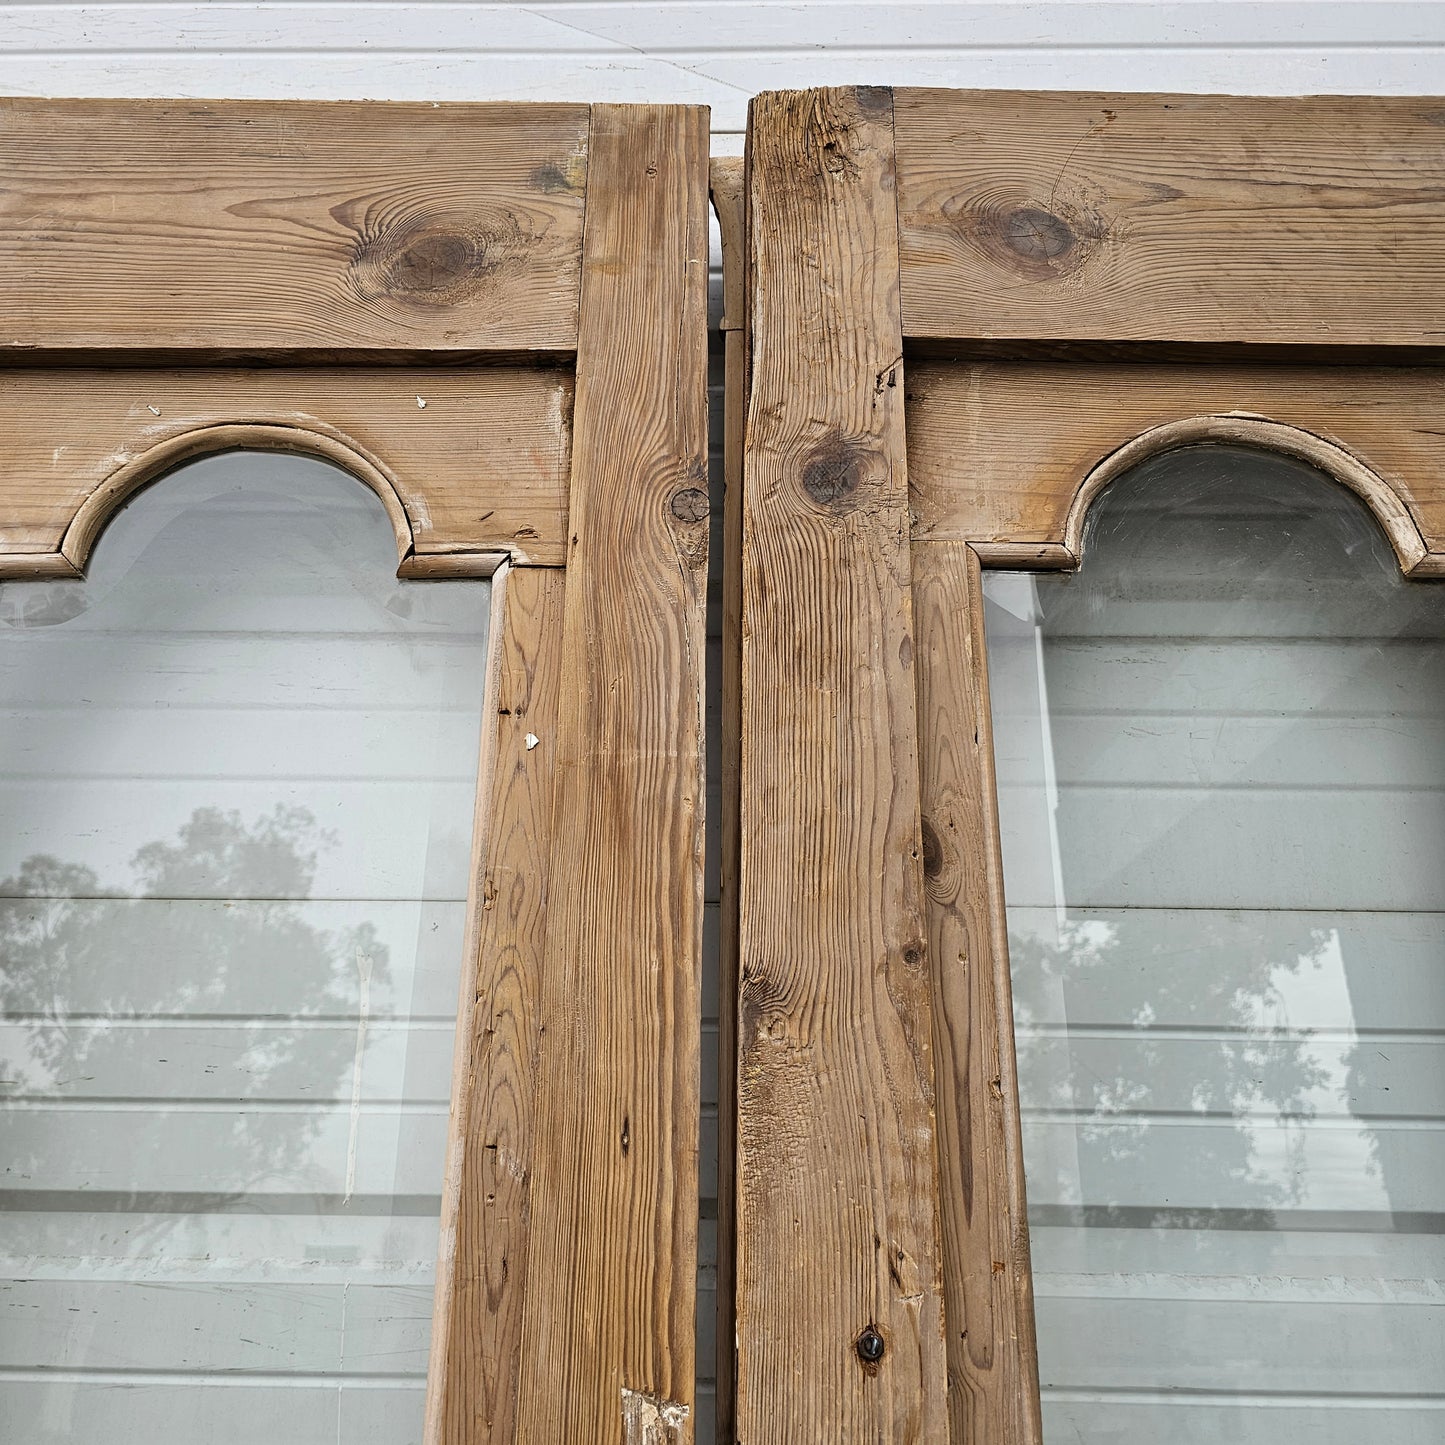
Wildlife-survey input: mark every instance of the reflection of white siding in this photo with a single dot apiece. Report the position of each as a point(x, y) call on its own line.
point(1232, 1051)
point(223, 1154)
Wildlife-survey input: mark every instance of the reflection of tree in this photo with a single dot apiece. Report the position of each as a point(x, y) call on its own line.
point(1252, 1068)
point(78, 931)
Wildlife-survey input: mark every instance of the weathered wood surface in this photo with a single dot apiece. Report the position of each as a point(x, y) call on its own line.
point(727, 182)
point(480, 468)
point(1185, 218)
point(477, 1339)
point(837, 1185)
point(1000, 453)
point(993, 1392)
point(255, 226)
point(608, 1341)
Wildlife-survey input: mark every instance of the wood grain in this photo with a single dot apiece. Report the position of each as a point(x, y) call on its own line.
point(476, 1343)
point(1002, 454)
point(262, 227)
point(608, 1345)
point(480, 469)
point(837, 1184)
point(727, 181)
point(1172, 218)
point(993, 1393)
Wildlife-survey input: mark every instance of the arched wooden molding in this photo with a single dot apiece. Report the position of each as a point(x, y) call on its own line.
point(471, 464)
point(1385, 504)
point(1007, 457)
point(313, 441)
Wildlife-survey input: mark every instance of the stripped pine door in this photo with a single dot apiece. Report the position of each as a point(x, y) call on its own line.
point(1088, 956)
point(354, 795)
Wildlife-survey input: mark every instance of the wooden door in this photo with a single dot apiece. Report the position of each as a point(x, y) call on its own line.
point(493, 317)
point(1188, 347)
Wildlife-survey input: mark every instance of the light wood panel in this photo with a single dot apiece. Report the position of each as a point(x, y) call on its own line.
point(478, 1334)
point(608, 1340)
point(1180, 218)
point(837, 1183)
point(1002, 454)
point(470, 461)
point(993, 1368)
point(254, 227)
point(727, 180)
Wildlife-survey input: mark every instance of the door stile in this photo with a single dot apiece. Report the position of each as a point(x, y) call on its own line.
point(839, 1289)
point(608, 1339)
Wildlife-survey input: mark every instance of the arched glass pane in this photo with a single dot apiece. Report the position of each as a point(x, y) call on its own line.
point(1220, 750)
point(237, 773)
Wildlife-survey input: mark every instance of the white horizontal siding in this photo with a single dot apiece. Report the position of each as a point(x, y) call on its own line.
point(713, 52)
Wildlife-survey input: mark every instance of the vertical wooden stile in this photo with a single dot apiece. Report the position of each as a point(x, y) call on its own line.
point(837, 1212)
point(729, 202)
point(992, 1364)
point(478, 1333)
point(608, 1339)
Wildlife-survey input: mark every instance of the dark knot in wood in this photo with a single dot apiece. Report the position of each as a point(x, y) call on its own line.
point(690, 505)
point(1043, 243)
point(435, 264)
point(1037, 235)
point(834, 471)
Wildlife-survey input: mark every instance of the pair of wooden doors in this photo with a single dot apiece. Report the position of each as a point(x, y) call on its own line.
point(954, 319)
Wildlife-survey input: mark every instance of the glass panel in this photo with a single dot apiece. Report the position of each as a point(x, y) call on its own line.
point(237, 770)
point(1220, 751)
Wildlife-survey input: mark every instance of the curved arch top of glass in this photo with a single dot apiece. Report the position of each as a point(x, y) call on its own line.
point(237, 777)
point(1219, 753)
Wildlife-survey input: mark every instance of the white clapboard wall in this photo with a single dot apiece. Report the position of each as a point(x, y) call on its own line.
point(237, 773)
point(1222, 791)
point(718, 53)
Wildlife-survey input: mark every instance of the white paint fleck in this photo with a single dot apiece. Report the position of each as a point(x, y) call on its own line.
point(532, 741)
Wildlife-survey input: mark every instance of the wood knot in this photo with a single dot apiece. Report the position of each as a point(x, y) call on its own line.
point(690, 505)
point(834, 471)
point(432, 264)
point(1042, 243)
point(1037, 235)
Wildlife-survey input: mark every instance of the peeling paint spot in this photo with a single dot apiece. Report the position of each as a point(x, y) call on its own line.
point(651, 1420)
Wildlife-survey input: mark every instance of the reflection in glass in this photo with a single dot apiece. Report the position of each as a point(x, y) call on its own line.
point(237, 769)
point(1220, 750)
